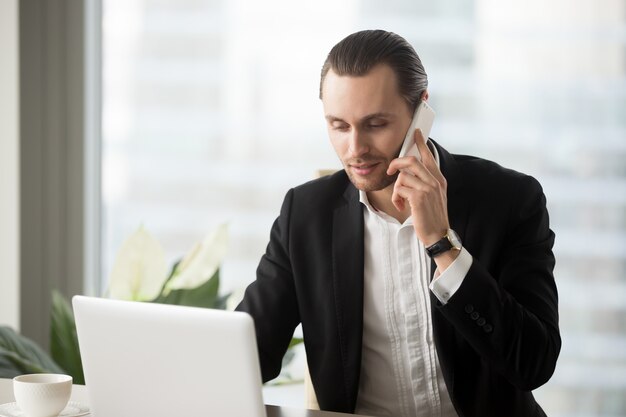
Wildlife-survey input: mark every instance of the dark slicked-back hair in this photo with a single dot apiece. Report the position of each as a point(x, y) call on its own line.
point(358, 53)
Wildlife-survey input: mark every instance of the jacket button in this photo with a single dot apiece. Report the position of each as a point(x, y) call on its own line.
point(481, 321)
point(469, 308)
point(475, 315)
point(488, 328)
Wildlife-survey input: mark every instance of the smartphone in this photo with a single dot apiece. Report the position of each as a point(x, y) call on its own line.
point(423, 119)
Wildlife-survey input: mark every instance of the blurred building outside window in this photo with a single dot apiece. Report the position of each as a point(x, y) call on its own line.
point(211, 113)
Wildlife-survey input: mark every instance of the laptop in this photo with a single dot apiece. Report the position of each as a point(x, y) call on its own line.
point(145, 359)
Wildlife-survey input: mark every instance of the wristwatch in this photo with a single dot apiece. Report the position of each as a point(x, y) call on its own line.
point(450, 241)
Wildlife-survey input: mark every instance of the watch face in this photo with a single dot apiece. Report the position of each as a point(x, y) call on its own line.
point(454, 239)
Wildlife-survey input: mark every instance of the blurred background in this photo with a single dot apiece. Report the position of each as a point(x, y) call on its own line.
point(201, 112)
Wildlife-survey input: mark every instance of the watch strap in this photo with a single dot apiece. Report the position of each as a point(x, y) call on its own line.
point(439, 247)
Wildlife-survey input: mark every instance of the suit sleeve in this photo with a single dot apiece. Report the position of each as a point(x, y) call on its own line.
point(509, 314)
point(271, 298)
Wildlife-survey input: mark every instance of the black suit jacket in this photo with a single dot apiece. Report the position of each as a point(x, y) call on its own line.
point(497, 338)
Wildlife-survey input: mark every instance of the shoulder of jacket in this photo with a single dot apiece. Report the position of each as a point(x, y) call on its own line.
point(481, 171)
point(322, 192)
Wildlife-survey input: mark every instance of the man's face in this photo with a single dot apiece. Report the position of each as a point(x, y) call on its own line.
point(367, 120)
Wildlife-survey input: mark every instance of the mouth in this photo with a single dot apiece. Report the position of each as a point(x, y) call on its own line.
point(364, 169)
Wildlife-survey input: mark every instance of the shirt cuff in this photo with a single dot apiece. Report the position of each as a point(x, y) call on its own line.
point(446, 284)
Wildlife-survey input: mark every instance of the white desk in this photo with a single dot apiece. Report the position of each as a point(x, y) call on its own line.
point(79, 394)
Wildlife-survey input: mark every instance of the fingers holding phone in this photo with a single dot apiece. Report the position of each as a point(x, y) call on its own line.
point(420, 182)
point(423, 119)
point(414, 165)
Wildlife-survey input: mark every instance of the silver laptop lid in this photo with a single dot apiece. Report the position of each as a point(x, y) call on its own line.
point(143, 359)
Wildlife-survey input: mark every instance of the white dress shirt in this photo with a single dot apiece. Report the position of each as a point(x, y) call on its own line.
point(400, 372)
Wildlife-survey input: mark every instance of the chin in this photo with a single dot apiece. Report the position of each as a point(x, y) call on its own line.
point(374, 184)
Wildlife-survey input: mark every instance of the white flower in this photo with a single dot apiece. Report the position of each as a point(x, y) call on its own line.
point(201, 263)
point(139, 271)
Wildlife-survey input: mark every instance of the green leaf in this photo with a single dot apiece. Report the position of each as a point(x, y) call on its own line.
point(295, 341)
point(20, 355)
point(169, 278)
point(63, 338)
point(205, 295)
point(290, 354)
point(220, 302)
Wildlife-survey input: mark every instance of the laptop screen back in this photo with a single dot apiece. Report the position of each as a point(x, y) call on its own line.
point(145, 359)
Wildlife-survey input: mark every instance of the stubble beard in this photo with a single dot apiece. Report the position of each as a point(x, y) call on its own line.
point(381, 182)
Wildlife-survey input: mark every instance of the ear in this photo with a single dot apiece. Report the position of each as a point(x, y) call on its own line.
point(425, 95)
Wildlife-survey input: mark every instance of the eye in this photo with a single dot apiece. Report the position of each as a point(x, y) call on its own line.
point(376, 125)
point(340, 126)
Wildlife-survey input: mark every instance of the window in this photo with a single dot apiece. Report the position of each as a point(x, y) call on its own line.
point(210, 113)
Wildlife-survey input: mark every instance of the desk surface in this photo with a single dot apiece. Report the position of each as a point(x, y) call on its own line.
point(79, 394)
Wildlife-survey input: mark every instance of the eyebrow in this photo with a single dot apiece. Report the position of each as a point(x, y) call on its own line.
point(378, 115)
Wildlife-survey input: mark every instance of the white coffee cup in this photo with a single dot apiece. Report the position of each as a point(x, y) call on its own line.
point(42, 395)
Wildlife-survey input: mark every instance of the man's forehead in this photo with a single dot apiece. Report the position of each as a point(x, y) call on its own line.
point(375, 92)
point(380, 75)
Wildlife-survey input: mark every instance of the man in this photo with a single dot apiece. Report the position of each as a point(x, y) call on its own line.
point(398, 318)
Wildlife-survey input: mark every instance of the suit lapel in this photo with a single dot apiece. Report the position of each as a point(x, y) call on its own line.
point(347, 262)
point(457, 201)
point(445, 338)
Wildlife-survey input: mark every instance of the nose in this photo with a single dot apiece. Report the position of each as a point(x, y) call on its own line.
point(358, 143)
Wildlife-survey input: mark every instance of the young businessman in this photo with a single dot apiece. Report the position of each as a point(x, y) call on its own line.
point(424, 288)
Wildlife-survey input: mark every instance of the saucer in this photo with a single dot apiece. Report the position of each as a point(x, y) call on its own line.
point(73, 409)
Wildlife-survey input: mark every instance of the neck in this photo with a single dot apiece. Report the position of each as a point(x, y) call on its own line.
point(381, 201)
